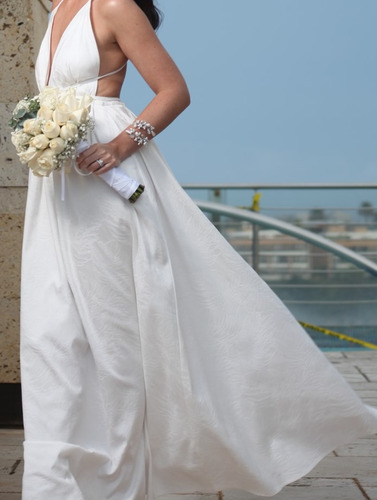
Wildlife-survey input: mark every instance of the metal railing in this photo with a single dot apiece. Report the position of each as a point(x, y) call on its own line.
point(268, 186)
point(260, 220)
point(319, 285)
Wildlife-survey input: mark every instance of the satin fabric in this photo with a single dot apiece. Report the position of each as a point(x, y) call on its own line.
point(154, 359)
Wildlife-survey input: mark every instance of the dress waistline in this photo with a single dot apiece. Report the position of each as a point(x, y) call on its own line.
point(105, 98)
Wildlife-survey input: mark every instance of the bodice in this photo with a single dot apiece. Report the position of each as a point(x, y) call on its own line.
point(76, 61)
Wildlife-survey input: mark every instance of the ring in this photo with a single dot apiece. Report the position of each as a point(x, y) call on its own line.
point(100, 162)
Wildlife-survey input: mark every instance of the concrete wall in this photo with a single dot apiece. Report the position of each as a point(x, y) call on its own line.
point(22, 25)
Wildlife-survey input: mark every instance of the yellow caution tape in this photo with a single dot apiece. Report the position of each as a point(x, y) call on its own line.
point(338, 335)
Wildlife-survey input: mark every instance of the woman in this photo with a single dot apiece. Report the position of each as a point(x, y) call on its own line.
point(154, 360)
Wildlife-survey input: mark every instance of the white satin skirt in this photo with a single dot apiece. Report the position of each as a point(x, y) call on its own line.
point(153, 359)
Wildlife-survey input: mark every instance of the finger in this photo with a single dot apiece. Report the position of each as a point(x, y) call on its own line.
point(90, 162)
point(95, 166)
point(102, 165)
point(85, 154)
point(105, 168)
point(91, 154)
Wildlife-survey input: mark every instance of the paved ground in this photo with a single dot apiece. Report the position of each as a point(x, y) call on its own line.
point(349, 473)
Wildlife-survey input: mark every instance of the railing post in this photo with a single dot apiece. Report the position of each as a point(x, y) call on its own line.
point(256, 248)
point(255, 207)
point(216, 195)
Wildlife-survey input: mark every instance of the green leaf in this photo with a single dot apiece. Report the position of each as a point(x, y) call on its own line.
point(20, 113)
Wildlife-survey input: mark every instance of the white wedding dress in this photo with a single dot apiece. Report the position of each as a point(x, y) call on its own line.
point(154, 359)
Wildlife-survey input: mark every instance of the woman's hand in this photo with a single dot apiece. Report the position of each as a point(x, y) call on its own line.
point(98, 158)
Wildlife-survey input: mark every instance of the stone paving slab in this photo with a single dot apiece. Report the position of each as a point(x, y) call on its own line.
point(365, 448)
point(195, 496)
point(363, 355)
point(8, 467)
point(10, 453)
point(334, 355)
point(353, 377)
point(371, 481)
point(365, 386)
point(11, 437)
point(310, 488)
point(348, 473)
point(371, 493)
point(346, 467)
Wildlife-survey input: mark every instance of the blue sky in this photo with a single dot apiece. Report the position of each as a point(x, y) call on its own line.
point(282, 90)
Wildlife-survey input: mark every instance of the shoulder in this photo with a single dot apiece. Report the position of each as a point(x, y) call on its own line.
point(123, 18)
point(119, 10)
point(116, 5)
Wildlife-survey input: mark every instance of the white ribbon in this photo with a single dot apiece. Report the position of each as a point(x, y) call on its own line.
point(121, 182)
point(62, 191)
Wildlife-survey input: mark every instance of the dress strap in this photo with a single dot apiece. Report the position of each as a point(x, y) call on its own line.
point(96, 78)
point(54, 9)
point(111, 72)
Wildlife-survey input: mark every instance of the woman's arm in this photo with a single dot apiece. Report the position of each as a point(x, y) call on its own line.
point(137, 40)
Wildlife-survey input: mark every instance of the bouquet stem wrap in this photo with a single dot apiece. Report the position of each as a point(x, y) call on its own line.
point(115, 178)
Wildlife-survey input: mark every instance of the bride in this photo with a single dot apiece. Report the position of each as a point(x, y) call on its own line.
point(154, 360)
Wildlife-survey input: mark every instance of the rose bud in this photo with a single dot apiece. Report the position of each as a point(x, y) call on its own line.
point(46, 163)
point(57, 145)
point(68, 131)
point(51, 129)
point(40, 141)
point(61, 114)
point(44, 113)
point(20, 139)
point(28, 155)
point(32, 126)
point(79, 116)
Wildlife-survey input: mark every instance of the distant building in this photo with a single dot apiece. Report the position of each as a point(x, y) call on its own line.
point(283, 257)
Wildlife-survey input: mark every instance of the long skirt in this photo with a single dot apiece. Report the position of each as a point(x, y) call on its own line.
point(154, 359)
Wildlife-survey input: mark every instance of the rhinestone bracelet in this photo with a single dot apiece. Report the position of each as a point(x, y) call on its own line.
point(137, 136)
point(140, 138)
point(142, 124)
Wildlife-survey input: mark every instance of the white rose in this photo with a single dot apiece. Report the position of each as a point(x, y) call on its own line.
point(20, 139)
point(44, 164)
point(85, 101)
point(28, 155)
point(32, 126)
point(40, 141)
point(57, 145)
point(68, 131)
point(48, 97)
point(79, 116)
point(44, 113)
point(51, 129)
point(69, 99)
point(61, 114)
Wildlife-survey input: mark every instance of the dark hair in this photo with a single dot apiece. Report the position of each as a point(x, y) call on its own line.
point(151, 11)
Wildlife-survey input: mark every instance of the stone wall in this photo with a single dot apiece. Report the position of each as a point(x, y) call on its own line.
point(22, 25)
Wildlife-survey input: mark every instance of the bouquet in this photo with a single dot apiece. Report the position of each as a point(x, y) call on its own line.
point(50, 129)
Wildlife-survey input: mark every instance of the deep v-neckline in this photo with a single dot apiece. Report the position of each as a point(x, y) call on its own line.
point(53, 56)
